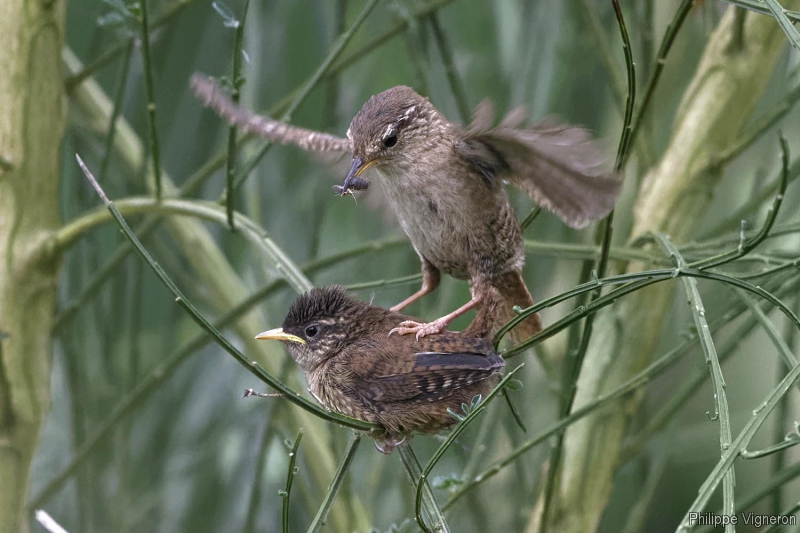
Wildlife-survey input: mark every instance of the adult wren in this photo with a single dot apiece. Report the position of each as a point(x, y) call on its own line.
point(355, 368)
point(446, 185)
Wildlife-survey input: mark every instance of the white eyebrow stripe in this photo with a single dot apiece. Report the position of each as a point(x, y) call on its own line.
point(389, 130)
point(409, 111)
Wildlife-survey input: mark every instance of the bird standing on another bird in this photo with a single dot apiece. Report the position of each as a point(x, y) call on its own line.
point(445, 184)
point(355, 368)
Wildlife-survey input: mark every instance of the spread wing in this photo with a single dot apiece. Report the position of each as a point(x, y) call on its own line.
point(429, 376)
point(212, 95)
point(559, 166)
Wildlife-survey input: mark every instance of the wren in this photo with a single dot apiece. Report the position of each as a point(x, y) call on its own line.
point(355, 368)
point(446, 185)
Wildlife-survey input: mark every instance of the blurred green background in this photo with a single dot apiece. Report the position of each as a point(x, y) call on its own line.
point(191, 454)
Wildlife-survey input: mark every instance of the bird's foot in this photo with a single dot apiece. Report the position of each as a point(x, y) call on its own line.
point(388, 445)
point(419, 329)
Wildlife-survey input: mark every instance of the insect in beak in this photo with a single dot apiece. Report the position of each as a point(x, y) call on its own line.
point(353, 181)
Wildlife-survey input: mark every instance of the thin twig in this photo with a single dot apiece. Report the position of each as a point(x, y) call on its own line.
point(759, 7)
point(661, 60)
point(631, 283)
point(748, 245)
point(451, 437)
point(287, 489)
point(236, 83)
point(692, 383)
point(754, 131)
point(783, 21)
point(414, 473)
point(788, 358)
point(181, 300)
point(336, 483)
point(113, 51)
point(530, 217)
point(738, 446)
point(717, 380)
point(780, 479)
point(456, 83)
point(168, 366)
point(657, 368)
point(155, 152)
point(312, 82)
point(206, 171)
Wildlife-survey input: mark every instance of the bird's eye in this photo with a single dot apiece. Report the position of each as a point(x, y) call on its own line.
point(311, 331)
point(390, 140)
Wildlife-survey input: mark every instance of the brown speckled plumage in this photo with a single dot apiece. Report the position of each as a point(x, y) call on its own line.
point(355, 368)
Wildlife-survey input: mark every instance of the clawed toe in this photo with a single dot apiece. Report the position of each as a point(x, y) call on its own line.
point(419, 329)
point(387, 446)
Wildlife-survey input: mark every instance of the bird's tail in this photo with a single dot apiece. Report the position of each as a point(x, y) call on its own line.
point(513, 292)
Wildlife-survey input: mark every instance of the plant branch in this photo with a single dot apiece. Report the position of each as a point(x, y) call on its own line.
point(414, 473)
point(287, 489)
point(181, 300)
point(440, 451)
point(151, 99)
point(717, 380)
point(336, 483)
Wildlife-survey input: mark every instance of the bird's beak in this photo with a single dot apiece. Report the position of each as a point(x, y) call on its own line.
point(355, 170)
point(278, 334)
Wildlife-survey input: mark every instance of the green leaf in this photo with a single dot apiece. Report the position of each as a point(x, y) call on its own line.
point(455, 415)
point(514, 384)
point(475, 402)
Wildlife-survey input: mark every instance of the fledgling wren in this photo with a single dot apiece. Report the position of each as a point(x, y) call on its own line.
point(445, 184)
point(355, 368)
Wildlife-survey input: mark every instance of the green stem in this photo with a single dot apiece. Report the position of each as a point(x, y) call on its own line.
point(118, 48)
point(654, 370)
point(783, 21)
point(230, 167)
point(170, 364)
point(318, 76)
point(738, 446)
point(759, 7)
point(717, 380)
point(451, 438)
point(155, 153)
point(287, 490)
point(414, 471)
point(180, 299)
point(661, 60)
point(336, 484)
point(456, 83)
point(780, 479)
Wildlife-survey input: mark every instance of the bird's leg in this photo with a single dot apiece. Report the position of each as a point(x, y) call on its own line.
point(430, 280)
point(438, 325)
